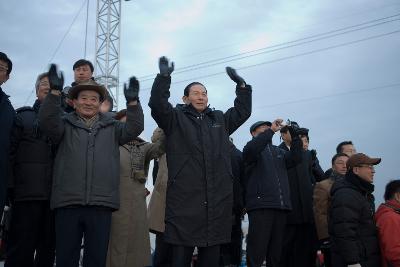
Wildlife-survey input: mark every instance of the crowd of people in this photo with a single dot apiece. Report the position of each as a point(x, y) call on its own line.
point(73, 172)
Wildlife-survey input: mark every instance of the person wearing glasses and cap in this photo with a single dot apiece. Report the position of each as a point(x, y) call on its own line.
point(351, 222)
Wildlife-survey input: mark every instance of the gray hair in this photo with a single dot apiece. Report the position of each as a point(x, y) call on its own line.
point(39, 78)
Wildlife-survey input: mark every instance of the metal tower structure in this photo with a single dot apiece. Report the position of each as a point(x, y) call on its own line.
point(108, 29)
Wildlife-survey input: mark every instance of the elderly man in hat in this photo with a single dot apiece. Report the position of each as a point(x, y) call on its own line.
point(85, 186)
point(267, 191)
point(352, 228)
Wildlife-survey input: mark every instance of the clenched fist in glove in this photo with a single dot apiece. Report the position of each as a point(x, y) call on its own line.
point(132, 92)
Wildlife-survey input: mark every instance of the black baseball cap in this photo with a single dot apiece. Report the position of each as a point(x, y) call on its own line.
point(258, 124)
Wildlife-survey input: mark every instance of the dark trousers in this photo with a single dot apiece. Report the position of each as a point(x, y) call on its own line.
point(231, 253)
point(74, 223)
point(265, 237)
point(300, 246)
point(207, 256)
point(32, 238)
point(162, 252)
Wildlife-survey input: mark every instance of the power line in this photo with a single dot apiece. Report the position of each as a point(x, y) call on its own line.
point(59, 45)
point(329, 96)
point(288, 57)
point(207, 63)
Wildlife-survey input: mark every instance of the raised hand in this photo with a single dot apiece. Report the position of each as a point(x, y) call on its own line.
point(56, 79)
point(132, 92)
point(235, 77)
point(165, 68)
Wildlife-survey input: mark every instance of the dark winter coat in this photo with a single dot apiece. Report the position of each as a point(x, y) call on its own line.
point(238, 174)
point(31, 157)
point(199, 193)
point(7, 115)
point(267, 185)
point(301, 181)
point(86, 167)
point(352, 228)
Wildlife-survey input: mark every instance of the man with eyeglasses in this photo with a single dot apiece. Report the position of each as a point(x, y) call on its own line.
point(7, 115)
point(352, 227)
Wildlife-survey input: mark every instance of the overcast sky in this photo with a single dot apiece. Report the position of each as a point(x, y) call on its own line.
point(306, 60)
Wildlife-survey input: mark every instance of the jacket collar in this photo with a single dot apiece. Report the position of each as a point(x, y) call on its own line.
point(358, 183)
point(101, 123)
point(336, 176)
point(192, 111)
point(36, 105)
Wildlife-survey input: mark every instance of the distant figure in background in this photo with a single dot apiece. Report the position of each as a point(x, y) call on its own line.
point(231, 253)
point(7, 115)
point(352, 228)
point(267, 191)
point(300, 241)
point(345, 147)
point(129, 244)
point(156, 210)
point(32, 234)
point(322, 200)
point(388, 222)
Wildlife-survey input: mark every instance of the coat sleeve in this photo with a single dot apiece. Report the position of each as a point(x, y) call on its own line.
point(50, 118)
point(15, 138)
point(157, 148)
point(294, 156)
point(318, 172)
point(321, 202)
point(389, 233)
point(161, 110)
point(254, 147)
point(345, 213)
point(129, 130)
point(241, 111)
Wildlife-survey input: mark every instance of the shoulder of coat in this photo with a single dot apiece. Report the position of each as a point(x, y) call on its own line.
point(23, 109)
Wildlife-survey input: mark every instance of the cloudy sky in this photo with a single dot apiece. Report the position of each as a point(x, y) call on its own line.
point(332, 66)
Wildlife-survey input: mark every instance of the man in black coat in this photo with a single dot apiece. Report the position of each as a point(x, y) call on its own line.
point(199, 192)
point(7, 114)
point(267, 192)
point(32, 234)
point(352, 227)
point(300, 241)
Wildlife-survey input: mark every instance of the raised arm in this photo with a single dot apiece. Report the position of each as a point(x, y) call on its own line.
point(255, 146)
point(50, 112)
point(134, 124)
point(161, 110)
point(241, 111)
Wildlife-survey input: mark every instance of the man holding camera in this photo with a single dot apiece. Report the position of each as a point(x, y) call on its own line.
point(199, 192)
point(267, 191)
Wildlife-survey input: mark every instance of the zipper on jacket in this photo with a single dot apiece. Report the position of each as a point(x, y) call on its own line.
point(277, 177)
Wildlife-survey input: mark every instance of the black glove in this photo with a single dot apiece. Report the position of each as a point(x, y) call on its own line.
point(132, 92)
point(313, 154)
point(234, 76)
point(165, 68)
point(56, 79)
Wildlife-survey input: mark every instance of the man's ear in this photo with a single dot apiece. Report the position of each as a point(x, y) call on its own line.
point(185, 100)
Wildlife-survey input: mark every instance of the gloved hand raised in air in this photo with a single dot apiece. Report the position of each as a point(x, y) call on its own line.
point(56, 79)
point(165, 68)
point(132, 92)
point(235, 77)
